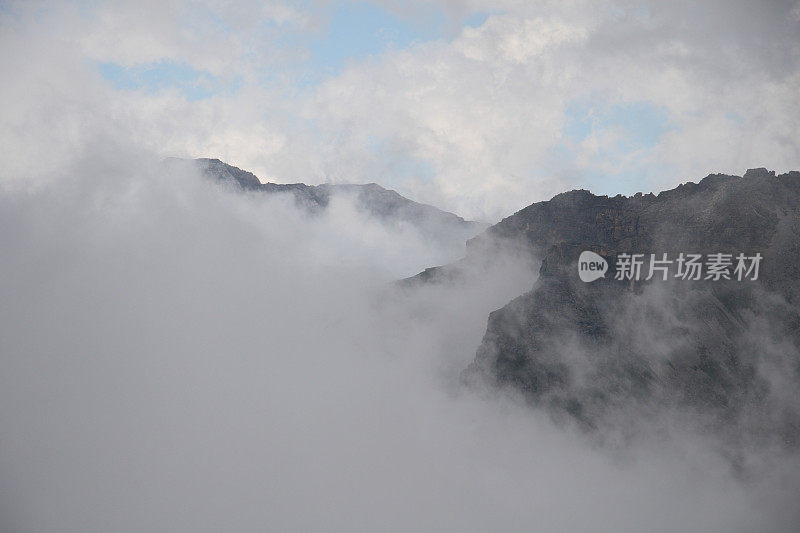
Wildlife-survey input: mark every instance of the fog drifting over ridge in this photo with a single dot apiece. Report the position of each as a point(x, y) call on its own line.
point(178, 357)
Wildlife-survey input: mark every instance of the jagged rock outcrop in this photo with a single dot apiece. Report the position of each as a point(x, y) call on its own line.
point(724, 354)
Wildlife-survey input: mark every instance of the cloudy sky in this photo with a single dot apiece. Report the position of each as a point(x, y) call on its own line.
point(177, 358)
point(478, 106)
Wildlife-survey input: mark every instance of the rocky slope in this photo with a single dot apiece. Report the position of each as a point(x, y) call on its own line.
point(723, 355)
point(378, 202)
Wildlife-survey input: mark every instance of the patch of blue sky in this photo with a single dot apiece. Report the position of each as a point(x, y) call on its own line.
point(640, 124)
point(626, 181)
point(630, 176)
point(7, 10)
point(161, 75)
point(638, 127)
point(476, 20)
point(360, 29)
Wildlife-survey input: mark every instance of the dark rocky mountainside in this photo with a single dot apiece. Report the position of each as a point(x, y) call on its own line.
point(723, 354)
point(381, 203)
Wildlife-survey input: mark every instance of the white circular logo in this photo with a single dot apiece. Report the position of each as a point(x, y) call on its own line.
point(591, 266)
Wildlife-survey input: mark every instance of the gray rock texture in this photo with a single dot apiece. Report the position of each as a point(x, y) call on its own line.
point(724, 355)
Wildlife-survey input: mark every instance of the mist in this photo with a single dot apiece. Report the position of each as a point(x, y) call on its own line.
point(177, 356)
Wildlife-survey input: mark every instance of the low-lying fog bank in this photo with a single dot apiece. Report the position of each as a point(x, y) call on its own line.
point(176, 357)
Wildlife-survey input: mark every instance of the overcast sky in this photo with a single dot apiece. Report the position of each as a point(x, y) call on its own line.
point(478, 106)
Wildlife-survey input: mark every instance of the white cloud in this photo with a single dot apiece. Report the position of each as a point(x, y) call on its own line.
point(473, 123)
point(180, 358)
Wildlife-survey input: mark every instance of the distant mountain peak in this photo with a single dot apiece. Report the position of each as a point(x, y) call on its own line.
point(383, 204)
point(225, 171)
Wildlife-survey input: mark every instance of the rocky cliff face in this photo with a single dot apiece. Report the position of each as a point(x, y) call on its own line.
point(724, 355)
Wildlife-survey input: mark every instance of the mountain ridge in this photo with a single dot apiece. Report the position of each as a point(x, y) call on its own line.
point(593, 353)
point(710, 350)
point(375, 198)
point(447, 230)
